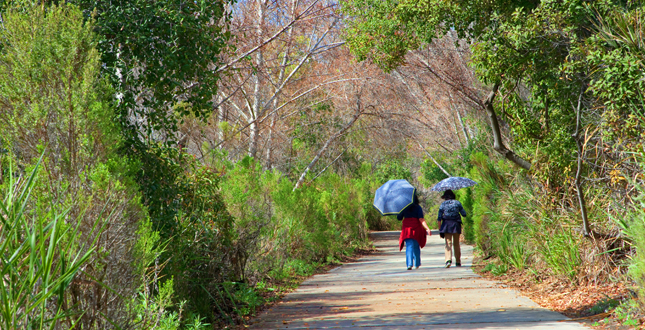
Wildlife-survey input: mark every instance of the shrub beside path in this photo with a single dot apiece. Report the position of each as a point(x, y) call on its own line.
point(378, 292)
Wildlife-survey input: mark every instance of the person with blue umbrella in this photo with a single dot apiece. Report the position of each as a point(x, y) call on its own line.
point(399, 197)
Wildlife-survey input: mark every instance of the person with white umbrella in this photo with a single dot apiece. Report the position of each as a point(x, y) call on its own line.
point(449, 220)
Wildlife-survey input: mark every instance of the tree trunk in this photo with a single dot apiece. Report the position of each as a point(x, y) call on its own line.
point(283, 68)
point(498, 144)
point(578, 182)
point(463, 127)
point(254, 135)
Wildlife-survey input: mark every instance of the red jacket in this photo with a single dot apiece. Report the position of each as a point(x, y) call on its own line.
point(412, 228)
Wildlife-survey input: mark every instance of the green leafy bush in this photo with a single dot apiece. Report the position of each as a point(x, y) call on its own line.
point(54, 104)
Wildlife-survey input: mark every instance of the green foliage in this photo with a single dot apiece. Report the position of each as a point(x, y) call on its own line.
point(484, 198)
point(431, 172)
point(541, 53)
point(384, 31)
point(496, 269)
point(41, 256)
point(633, 225)
point(604, 306)
point(50, 94)
point(200, 252)
point(53, 103)
point(465, 196)
point(628, 314)
point(513, 250)
point(240, 227)
point(391, 170)
point(561, 252)
point(154, 312)
point(159, 53)
point(161, 59)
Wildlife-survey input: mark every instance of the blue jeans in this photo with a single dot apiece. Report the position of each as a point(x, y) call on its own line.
point(412, 252)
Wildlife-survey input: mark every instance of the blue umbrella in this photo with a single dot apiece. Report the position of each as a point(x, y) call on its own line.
point(393, 196)
point(453, 183)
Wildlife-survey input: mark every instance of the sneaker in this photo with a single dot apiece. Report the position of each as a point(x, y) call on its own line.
point(409, 268)
point(417, 267)
point(458, 264)
point(448, 263)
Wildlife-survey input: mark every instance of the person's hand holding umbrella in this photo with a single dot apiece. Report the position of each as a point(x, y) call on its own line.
point(449, 217)
point(399, 197)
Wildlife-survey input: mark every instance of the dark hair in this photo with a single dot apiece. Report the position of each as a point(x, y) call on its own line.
point(448, 194)
point(415, 200)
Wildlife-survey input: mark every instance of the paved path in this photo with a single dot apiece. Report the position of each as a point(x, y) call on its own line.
point(378, 292)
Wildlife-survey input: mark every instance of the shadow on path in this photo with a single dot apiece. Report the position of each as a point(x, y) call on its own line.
point(378, 292)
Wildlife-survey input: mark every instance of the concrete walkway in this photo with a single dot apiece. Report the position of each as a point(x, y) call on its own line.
point(378, 292)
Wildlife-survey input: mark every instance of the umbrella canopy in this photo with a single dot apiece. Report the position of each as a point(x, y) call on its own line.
point(394, 196)
point(453, 183)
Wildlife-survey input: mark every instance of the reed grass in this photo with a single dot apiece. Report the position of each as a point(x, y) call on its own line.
point(40, 256)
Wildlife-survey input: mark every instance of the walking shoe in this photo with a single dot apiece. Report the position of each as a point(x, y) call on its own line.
point(409, 268)
point(448, 263)
point(417, 267)
point(458, 264)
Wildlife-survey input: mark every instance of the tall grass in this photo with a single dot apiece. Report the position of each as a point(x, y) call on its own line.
point(39, 258)
point(522, 226)
point(633, 225)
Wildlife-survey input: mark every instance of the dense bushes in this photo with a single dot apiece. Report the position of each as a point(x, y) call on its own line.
point(162, 240)
point(53, 103)
point(277, 233)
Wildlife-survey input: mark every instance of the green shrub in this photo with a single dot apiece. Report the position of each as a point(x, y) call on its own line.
point(633, 225)
point(465, 196)
point(484, 198)
point(42, 254)
point(54, 103)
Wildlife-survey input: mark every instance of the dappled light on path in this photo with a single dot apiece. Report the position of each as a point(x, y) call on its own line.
point(378, 292)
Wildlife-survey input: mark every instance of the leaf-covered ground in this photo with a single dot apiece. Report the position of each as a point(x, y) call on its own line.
point(593, 304)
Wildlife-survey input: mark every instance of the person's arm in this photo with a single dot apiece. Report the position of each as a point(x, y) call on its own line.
point(439, 217)
point(461, 210)
point(425, 225)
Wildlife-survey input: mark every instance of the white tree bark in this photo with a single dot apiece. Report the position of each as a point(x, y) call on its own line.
point(254, 134)
point(283, 68)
